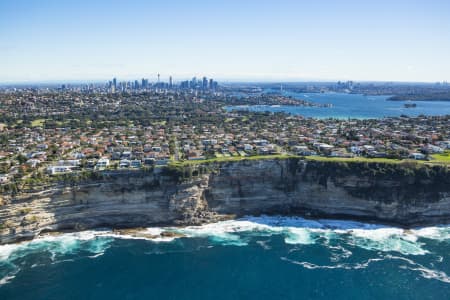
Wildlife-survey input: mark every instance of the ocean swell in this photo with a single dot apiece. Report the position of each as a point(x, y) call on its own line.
point(340, 239)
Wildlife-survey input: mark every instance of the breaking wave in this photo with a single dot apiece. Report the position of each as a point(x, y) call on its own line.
point(340, 238)
point(58, 248)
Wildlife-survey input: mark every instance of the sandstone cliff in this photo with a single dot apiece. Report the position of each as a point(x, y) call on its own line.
point(390, 193)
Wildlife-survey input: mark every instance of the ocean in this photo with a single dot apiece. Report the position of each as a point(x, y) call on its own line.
point(353, 106)
point(249, 258)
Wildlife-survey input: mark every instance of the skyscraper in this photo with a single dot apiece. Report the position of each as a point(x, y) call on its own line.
point(170, 82)
point(205, 83)
point(193, 83)
point(184, 84)
point(114, 85)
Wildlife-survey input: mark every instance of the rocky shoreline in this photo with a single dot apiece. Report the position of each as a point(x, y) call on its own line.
point(405, 195)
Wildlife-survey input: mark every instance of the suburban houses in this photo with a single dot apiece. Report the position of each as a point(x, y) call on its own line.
point(55, 132)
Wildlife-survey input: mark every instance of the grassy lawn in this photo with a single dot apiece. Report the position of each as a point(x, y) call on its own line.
point(226, 159)
point(37, 123)
point(161, 123)
point(444, 157)
point(441, 159)
point(355, 159)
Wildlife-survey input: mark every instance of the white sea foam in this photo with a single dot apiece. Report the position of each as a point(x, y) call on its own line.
point(301, 231)
point(296, 230)
point(440, 233)
point(264, 245)
point(305, 232)
point(6, 279)
point(411, 265)
point(92, 241)
point(6, 250)
point(225, 232)
point(339, 237)
point(431, 274)
point(301, 236)
point(424, 271)
point(148, 234)
point(346, 266)
point(387, 240)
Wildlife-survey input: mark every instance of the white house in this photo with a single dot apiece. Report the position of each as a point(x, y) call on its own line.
point(69, 162)
point(135, 164)
point(102, 164)
point(445, 144)
point(124, 163)
point(248, 147)
point(417, 156)
point(53, 170)
point(432, 149)
point(4, 178)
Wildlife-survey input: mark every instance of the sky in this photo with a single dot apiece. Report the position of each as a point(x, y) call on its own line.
point(289, 40)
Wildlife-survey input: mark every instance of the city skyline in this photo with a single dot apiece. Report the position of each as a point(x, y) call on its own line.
point(252, 41)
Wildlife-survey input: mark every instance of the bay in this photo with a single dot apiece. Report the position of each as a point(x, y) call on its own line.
point(352, 106)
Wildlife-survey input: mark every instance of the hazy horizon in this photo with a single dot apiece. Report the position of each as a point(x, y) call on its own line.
point(251, 41)
point(222, 81)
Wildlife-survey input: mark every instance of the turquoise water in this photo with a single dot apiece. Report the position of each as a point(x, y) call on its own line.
point(250, 258)
point(354, 106)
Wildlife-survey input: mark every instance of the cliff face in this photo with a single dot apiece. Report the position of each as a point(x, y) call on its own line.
point(388, 193)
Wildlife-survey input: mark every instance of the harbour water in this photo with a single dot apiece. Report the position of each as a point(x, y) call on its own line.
point(353, 106)
point(249, 258)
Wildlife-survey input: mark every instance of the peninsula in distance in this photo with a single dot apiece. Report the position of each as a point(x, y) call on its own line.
point(201, 150)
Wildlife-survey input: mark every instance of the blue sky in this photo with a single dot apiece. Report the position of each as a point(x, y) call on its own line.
point(233, 40)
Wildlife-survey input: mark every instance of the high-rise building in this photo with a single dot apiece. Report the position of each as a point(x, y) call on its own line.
point(205, 83)
point(211, 84)
point(184, 84)
point(170, 82)
point(193, 83)
point(115, 83)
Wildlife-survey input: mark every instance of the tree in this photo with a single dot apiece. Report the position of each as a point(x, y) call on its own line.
point(22, 159)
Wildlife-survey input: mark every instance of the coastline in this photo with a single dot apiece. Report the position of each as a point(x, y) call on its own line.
point(394, 194)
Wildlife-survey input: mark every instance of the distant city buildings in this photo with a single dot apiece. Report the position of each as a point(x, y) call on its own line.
point(196, 85)
point(204, 85)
